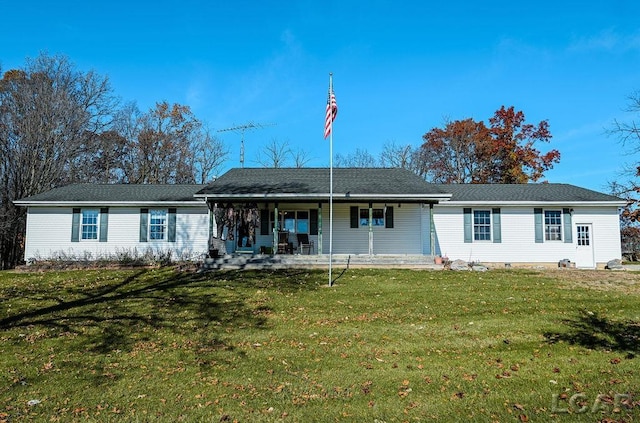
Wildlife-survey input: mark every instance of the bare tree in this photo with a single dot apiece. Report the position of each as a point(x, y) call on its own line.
point(49, 115)
point(300, 158)
point(164, 144)
point(628, 132)
point(209, 155)
point(395, 155)
point(359, 158)
point(275, 154)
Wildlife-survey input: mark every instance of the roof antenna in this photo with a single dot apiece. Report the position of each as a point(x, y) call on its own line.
point(241, 128)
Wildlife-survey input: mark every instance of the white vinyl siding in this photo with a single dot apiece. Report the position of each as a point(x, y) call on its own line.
point(518, 236)
point(49, 228)
point(404, 238)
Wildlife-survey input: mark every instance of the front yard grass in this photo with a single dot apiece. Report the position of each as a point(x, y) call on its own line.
point(379, 346)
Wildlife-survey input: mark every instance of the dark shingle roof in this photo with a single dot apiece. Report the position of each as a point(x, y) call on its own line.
point(313, 184)
point(375, 183)
point(110, 193)
point(525, 193)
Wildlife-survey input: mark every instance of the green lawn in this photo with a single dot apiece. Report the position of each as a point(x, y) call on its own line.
point(379, 346)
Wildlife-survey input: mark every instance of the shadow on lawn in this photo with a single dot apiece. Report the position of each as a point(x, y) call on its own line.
point(596, 332)
point(119, 313)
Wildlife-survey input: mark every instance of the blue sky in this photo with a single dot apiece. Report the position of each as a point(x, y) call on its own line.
point(400, 68)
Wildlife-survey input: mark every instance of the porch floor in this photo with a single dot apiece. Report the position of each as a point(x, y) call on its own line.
point(246, 261)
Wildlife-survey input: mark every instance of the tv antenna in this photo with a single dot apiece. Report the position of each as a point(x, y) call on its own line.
point(240, 129)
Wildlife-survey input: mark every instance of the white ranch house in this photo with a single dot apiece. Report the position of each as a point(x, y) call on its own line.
point(376, 212)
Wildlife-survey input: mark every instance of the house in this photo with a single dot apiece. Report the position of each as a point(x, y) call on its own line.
point(92, 221)
point(375, 211)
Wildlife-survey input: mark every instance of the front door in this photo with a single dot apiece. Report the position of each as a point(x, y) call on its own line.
point(584, 247)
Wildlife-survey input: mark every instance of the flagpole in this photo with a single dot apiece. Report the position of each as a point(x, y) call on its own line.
point(331, 190)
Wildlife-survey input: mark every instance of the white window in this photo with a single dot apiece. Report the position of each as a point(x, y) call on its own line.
point(89, 224)
point(378, 217)
point(583, 235)
point(482, 225)
point(302, 222)
point(293, 221)
point(157, 225)
point(553, 225)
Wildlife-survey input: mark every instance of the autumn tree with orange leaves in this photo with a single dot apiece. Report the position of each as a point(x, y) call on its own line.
point(505, 151)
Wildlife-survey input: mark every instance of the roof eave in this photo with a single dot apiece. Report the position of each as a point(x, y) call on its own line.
point(538, 203)
point(88, 203)
point(327, 196)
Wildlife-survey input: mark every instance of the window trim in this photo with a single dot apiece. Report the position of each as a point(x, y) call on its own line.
point(296, 220)
point(165, 225)
point(84, 225)
point(77, 224)
point(469, 225)
point(488, 225)
point(357, 220)
point(376, 222)
point(559, 225)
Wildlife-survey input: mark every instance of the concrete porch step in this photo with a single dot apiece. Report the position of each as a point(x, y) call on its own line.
point(246, 261)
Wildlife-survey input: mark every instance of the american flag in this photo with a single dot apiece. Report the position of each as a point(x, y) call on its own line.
point(331, 112)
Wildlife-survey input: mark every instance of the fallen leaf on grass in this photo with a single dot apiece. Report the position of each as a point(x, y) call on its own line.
point(366, 387)
point(457, 395)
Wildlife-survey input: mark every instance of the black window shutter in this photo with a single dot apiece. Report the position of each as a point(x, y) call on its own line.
point(313, 222)
point(497, 225)
point(144, 223)
point(264, 222)
point(171, 236)
point(537, 217)
point(104, 224)
point(388, 222)
point(75, 226)
point(354, 216)
point(568, 235)
point(467, 224)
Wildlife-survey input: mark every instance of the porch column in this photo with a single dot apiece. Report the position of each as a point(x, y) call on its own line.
point(274, 235)
point(432, 232)
point(319, 228)
point(370, 229)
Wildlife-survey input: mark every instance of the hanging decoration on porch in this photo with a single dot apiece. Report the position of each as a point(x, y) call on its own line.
point(247, 221)
point(236, 223)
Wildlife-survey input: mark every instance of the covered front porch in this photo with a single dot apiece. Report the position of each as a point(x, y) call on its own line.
point(293, 212)
point(266, 228)
point(304, 228)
